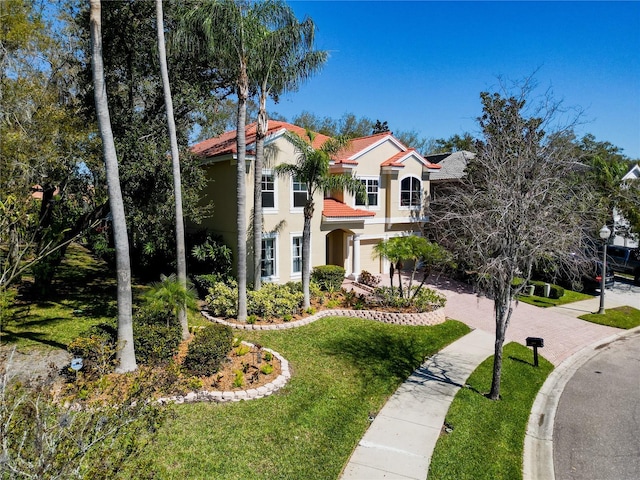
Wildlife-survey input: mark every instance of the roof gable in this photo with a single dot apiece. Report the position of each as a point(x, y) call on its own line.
point(226, 143)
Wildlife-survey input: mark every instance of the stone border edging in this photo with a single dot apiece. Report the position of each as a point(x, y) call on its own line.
point(236, 395)
point(434, 317)
point(537, 459)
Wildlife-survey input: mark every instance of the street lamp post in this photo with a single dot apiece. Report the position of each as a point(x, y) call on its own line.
point(604, 235)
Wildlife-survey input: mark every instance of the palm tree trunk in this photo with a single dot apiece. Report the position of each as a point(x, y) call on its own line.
point(243, 94)
point(175, 161)
point(126, 354)
point(306, 253)
point(261, 132)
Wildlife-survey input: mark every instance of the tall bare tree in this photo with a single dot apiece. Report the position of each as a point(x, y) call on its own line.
point(515, 206)
point(181, 260)
point(126, 354)
point(284, 60)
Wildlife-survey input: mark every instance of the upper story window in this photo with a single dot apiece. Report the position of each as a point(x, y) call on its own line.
point(268, 191)
point(299, 190)
point(371, 185)
point(410, 192)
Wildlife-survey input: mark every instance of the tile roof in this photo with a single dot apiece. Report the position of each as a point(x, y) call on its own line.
point(335, 209)
point(357, 145)
point(226, 143)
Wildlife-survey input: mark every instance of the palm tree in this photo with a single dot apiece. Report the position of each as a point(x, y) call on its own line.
point(394, 250)
point(312, 169)
point(225, 32)
point(126, 353)
point(285, 59)
point(175, 160)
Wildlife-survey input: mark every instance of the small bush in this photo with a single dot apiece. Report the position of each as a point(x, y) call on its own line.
point(266, 369)
point(157, 336)
point(222, 299)
point(427, 300)
point(274, 301)
point(328, 277)
point(555, 291)
point(97, 348)
point(242, 350)
point(268, 356)
point(204, 282)
point(238, 381)
point(208, 349)
point(369, 279)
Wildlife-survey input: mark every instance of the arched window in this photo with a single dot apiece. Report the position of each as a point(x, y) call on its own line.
point(410, 192)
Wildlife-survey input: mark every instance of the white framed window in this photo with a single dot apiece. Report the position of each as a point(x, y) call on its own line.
point(269, 193)
point(372, 186)
point(269, 263)
point(410, 192)
point(298, 193)
point(296, 254)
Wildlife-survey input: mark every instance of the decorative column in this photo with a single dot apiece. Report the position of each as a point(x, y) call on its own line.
point(356, 256)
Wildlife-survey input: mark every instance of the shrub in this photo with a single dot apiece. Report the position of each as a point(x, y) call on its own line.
point(328, 277)
point(208, 349)
point(222, 299)
point(204, 282)
point(266, 368)
point(97, 348)
point(271, 301)
point(555, 291)
point(427, 300)
point(369, 279)
point(157, 336)
point(238, 381)
point(274, 301)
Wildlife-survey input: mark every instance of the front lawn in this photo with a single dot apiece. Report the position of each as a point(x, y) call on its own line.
point(343, 370)
point(619, 317)
point(487, 437)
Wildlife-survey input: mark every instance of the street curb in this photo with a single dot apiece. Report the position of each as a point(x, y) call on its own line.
point(537, 462)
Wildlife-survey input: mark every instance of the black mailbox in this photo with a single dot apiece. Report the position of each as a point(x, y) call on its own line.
point(535, 342)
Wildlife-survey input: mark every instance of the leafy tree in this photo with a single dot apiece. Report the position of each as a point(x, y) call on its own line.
point(455, 143)
point(283, 61)
point(380, 127)
point(515, 206)
point(181, 258)
point(44, 146)
point(126, 354)
point(607, 166)
point(348, 125)
point(417, 250)
point(138, 112)
point(312, 169)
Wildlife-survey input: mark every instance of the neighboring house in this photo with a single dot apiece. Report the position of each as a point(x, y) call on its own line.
point(621, 225)
point(452, 166)
point(344, 230)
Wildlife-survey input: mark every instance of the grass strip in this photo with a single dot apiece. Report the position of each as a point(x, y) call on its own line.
point(620, 317)
point(344, 369)
point(487, 437)
point(569, 297)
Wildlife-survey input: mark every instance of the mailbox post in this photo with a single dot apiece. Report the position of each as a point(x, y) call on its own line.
point(535, 342)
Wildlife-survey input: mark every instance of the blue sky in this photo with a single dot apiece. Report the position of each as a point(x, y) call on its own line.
point(422, 65)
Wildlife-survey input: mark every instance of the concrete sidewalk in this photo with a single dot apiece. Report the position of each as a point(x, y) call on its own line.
point(401, 439)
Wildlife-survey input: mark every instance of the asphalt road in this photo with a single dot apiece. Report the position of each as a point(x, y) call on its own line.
point(597, 424)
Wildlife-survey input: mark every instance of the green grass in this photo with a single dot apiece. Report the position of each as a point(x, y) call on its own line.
point(619, 317)
point(487, 439)
point(343, 370)
point(569, 297)
point(85, 294)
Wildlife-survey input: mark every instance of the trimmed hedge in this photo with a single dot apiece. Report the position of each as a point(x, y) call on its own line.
point(208, 349)
point(328, 277)
point(156, 335)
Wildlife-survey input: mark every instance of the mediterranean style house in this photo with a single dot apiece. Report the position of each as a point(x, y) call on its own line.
point(346, 229)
